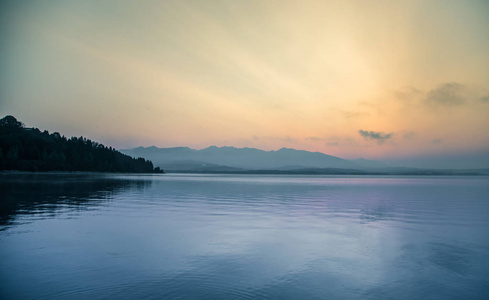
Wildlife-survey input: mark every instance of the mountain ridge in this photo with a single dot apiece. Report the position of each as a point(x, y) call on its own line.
point(233, 160)
point(242, 158)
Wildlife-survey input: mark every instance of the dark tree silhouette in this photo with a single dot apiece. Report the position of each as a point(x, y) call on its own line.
point(29, 149)
point(10, 122)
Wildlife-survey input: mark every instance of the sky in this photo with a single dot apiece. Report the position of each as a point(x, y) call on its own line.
point(386, 80)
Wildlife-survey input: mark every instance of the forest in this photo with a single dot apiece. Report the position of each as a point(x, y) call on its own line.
point(30, 149)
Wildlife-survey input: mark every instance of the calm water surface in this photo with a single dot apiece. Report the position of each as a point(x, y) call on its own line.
point(65, 236)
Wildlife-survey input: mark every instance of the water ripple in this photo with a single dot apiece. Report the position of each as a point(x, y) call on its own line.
point(111, 236)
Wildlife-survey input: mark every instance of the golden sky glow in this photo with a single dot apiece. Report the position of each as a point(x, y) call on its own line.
point(412, 76)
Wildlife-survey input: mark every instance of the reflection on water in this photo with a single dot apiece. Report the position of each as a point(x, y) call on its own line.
point(46, 194)
point(379, 213)
point(243, 237)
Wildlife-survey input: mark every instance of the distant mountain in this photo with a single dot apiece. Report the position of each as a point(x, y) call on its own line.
point(369, 164)
point(241, 158)
point(29, 149)
point(231, 160)
point(197, 166)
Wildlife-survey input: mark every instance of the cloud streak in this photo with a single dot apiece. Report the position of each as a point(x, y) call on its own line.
point(378, 136)
point(409, 135)
point(449, 94)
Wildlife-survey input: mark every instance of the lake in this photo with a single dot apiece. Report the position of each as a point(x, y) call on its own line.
point(187, 236)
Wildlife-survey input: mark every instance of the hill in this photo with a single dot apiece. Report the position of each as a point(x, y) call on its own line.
point(29, 149)
point(242, 158)
point(231, 160)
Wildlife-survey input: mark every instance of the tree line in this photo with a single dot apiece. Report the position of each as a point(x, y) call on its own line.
point(29, 149)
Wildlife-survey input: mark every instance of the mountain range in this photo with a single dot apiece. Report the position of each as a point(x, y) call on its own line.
point(231, 158)
point(283, 161)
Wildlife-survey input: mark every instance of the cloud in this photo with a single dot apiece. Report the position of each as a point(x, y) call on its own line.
point(448, 94)
point(407, 93)
point(314, 139)
point(378, 136)
point(341, 141)
point(484, 99)
point(436, 141)
point(288, 139)
point(409, 135)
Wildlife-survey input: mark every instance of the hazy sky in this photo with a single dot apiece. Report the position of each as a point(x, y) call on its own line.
point(373, 79)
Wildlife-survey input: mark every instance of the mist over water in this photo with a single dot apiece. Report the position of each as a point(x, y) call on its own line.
point(101, 236)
